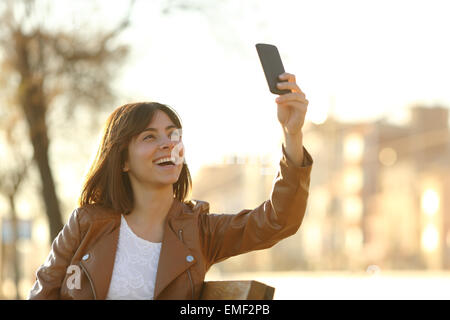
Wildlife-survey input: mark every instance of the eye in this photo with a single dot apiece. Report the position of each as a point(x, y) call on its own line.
point(150, 135)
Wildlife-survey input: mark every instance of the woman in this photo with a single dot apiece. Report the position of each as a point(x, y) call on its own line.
point(136, 236)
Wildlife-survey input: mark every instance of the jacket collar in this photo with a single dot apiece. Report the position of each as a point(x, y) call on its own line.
point(172, 261)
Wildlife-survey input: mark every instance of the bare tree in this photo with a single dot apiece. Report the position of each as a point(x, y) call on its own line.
point(13, 172)
point(40, 64)
point(10, 182)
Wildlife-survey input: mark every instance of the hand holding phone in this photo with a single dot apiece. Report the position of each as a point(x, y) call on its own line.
point(272, 66)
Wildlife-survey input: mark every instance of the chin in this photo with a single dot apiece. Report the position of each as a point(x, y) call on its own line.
point(170, 180)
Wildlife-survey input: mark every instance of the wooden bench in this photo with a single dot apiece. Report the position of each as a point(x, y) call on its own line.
point(236, 290)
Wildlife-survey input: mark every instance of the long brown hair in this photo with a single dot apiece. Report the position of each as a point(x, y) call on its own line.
point(105, 183)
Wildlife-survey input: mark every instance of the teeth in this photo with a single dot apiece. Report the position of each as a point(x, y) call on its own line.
point(164, 160)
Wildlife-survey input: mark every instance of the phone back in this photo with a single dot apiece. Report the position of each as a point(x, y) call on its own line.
point(272, 66)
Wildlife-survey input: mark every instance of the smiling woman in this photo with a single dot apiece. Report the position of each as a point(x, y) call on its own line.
point(125, 147)
point(136, 235)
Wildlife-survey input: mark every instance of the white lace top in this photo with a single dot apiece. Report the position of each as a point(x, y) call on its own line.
point(135, 266)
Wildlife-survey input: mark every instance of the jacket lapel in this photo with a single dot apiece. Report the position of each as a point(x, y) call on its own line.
point(172, 260)
point(100, 262)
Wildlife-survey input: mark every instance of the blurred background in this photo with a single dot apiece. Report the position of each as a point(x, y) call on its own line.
point(376, 74)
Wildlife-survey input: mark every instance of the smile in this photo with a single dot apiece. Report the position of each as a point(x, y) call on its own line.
point(166, 167)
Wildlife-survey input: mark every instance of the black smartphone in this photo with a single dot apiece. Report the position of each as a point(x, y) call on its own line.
point(272, 66)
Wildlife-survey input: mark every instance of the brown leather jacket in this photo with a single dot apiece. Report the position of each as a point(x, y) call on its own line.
point(193, 241)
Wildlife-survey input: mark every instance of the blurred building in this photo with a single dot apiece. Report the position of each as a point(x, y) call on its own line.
point(377, 197)
point(382, 188)
point(30, 249)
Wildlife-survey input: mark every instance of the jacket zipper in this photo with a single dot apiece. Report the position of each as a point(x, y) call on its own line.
point(90, 280)
point(180, 233)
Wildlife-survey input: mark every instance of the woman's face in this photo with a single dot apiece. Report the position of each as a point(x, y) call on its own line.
point(161, 138)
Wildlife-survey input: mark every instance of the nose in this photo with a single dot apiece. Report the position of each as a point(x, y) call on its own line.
point(167, 143)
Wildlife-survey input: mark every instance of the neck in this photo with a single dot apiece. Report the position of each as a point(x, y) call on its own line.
point(151, 205)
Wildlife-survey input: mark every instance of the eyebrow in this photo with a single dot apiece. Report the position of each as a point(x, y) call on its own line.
point(154, 129)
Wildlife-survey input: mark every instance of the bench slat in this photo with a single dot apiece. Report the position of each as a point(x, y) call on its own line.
point(237, 290)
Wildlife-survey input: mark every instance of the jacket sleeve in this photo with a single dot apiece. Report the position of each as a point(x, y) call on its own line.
point(227, 235)
point(50, 275)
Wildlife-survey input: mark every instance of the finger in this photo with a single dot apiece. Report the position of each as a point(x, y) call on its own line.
point(303, 104)
point(290, 85)
point(294, 96)
point(287, 76)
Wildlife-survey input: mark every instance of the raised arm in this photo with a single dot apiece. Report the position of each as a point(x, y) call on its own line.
point(227, 235)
